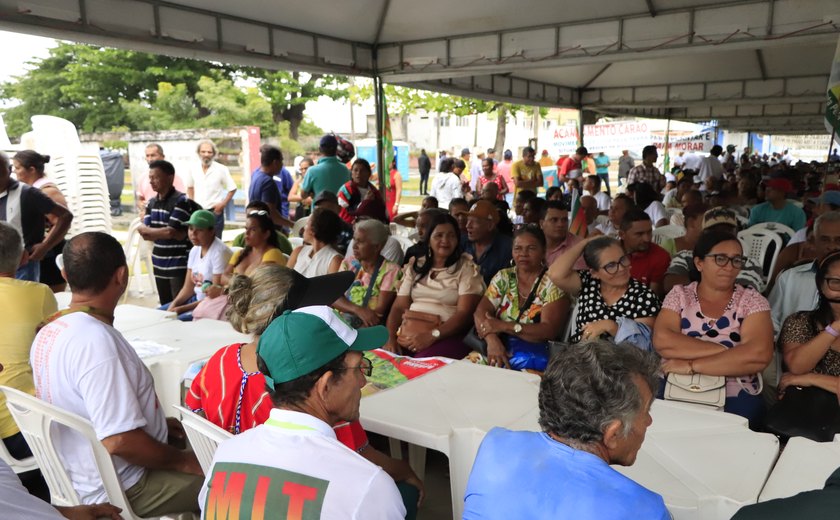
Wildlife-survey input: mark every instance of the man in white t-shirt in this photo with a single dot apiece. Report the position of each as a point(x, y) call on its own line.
point(293, 466)
point(82, 364)
point(210, 183)
point(711, 167)
point(592, 185)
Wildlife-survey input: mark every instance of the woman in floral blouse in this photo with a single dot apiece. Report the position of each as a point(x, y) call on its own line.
point(500, 314)
point(370, 297)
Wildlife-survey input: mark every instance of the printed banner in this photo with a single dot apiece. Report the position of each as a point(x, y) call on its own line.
point(390, 370)
point(832, 109)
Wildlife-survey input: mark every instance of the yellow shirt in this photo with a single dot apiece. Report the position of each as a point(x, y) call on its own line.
point(23, 306)
point(521, 171)
point(272, 256)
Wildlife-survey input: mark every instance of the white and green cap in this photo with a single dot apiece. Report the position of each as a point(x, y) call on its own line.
point(301, 341)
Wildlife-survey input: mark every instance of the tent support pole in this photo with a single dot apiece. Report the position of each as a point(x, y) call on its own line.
point(378, 95)
point(666, 160)
point(831, 142)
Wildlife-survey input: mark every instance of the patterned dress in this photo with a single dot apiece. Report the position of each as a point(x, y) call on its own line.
point(504, 293)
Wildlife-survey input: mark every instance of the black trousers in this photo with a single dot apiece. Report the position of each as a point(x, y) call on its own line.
point(168, 288)
point(424, 183)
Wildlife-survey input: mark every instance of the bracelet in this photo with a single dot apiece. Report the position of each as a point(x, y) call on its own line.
point(831, 331)
point(691, 367)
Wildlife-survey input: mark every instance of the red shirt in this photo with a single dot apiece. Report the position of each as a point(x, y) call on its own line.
point(566, 164)
point(649, 266)
point(236, 400)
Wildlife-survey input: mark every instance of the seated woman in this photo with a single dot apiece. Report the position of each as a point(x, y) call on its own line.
point(230, 390)
point(261, 247)
point(809, 339)
point(715, 327)
point(369, 299)
point(358, 197)
point(606, 293)
point(318, 255)
point(205, 266)
point(440, 289)
point(282, 240)
point(501, 316)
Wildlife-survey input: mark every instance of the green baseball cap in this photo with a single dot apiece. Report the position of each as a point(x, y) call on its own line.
point(202, 219)
point(300, 341)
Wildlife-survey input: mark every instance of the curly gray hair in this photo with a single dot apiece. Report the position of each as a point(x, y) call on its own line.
point(589, 385)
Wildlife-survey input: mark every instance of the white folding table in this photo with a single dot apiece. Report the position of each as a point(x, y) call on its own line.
point(704, 463)
point(192, 341)
point(804, 465)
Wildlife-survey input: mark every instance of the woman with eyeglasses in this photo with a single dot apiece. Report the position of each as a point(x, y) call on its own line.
point(230, 390)
point(521, 308)
point(606, 292)
point(716, 327)
point(811, 347)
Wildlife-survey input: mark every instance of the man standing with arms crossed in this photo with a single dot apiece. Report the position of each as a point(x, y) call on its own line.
point(210, 184)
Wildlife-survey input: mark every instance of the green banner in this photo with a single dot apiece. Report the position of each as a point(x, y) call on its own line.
point(832, 109)
point(387, 148)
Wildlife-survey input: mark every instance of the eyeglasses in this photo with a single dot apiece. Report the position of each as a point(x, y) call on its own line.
point(737, 261)
point(258, 212)
point(612, 267)
point(366, 367)
point(833, 283)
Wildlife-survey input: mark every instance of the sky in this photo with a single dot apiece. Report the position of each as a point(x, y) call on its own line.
point(20, 48)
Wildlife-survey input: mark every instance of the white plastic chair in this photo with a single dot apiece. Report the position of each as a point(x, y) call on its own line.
point(757, 246)
point(779, 229)
point(204, 436)
point(404, 242)
point(299, 223)
point(138, 254)
point(663, 232)
point(36, 419)
point(18, 466)
point(295, 241)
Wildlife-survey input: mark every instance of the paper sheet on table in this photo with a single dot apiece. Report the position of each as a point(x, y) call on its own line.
point(390, 370)
point(146, 348)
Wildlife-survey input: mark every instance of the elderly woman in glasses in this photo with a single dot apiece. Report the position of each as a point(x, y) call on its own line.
point(606, 292)
point(715, 327)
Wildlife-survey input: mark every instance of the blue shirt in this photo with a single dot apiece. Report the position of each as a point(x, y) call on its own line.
point(284, 182)
point(329, 174)
point(264, 189)
point(790, 215)
point(519, 474)
point(494, 258)
point(602, 164)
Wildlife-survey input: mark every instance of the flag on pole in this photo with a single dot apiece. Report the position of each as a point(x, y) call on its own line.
point(387, 148)
point(577, 224)
point(832, 109)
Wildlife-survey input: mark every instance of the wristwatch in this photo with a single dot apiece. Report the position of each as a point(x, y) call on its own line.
point(435, 333)
point(517, 328)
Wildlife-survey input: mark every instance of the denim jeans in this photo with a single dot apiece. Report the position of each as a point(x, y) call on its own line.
point(30, 272)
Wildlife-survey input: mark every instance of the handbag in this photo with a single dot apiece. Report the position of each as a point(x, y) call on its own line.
point(415, 322)
point(697, 389)
point(478, 344)
point(211, 308)
point(809, 412)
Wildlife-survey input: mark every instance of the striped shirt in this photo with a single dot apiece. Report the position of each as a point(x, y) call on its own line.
point(169, 257)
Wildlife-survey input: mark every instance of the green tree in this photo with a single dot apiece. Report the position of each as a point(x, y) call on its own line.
point(173, 107)
point(288, 93)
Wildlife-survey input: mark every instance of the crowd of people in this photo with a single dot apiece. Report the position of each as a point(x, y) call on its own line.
point(497, 270)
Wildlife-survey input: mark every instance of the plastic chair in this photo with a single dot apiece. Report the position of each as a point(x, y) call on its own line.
point(18, 466)
point(779, 229)
point(663, 232)
point(204, 436)
point(404, 242)
point(36, 419)
point(295, 241)
point(138, 253)
point(299, 223)
point(763, 246)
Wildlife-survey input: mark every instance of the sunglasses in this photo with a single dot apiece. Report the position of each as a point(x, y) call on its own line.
point(258, 212)
point(366, 367)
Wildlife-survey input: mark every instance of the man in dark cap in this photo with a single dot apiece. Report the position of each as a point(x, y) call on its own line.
point(329, 174)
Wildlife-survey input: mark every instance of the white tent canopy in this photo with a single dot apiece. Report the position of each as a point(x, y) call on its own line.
point(759, 65)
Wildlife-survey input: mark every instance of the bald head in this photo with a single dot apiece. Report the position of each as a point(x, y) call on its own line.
point(90, 261)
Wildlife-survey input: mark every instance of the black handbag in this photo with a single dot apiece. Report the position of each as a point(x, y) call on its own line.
point(809, 412)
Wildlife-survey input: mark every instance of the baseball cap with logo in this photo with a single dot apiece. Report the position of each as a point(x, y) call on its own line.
point(720, 215)
point(202, 219)
point(301, 341)
point(829, 197)
point(484, 209)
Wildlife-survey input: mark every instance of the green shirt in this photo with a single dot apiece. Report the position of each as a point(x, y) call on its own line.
point(329, 174)
point(282, 242)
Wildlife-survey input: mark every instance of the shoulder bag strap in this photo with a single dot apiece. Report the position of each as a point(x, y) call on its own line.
point(532, 295)
point(369, 291)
